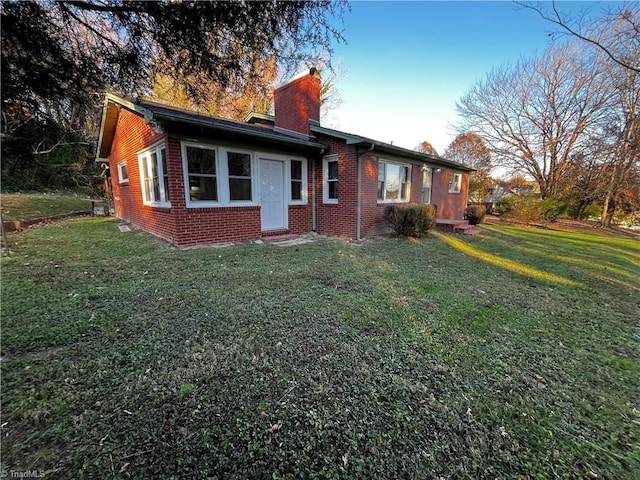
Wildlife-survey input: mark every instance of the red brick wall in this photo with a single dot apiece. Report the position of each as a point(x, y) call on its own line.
point(338, 219)
point(179, 224)
point(200, 226)
point(296, 102)
point(192, 226)
point(372, 219)
point(450, 205)
point(300, 217)
point(133, 135)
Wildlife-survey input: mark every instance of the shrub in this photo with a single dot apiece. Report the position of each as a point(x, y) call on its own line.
point(552, 208)
point(411, 219)
point(475, 214)
point(504, 206)
point(529, 208)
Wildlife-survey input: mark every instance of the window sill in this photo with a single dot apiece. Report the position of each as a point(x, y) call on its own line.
point(385, 202)
point(165, 206)
point(237, 204)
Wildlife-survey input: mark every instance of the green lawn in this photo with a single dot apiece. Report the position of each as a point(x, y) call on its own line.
point(22, 206)
point(511, 355)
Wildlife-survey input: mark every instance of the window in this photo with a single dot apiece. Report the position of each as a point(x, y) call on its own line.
point(201, 173)
point(239, 165)
point(330, 174)
point(154, 177)
point(393, 182)
point(123, 173)
point(165, 173)
point(296, 180)
point(455, 183)
point(426, 185)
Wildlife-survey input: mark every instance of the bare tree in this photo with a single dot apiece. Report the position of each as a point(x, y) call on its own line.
point(616, 33)
point(536, 114)
point(470, 149)
point(622, 130)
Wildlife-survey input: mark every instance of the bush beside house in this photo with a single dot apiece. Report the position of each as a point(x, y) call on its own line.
point(475, 214)
point(411, 219)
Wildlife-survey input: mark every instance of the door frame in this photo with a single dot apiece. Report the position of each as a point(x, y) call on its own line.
point(285, 203)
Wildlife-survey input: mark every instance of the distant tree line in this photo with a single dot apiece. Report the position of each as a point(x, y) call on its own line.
point(570, 118)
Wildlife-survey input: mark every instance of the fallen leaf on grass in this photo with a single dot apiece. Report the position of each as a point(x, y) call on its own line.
point(540, 378)
point(277, 426)
point(345, 458)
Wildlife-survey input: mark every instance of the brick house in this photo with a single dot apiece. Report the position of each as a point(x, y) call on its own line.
point(195, 179)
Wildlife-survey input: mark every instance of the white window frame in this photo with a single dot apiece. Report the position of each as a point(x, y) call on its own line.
point(325, 179)
point(225, 189)
point(222, 176)
point(185, 169)
point(304, 188)
point(408, 192)
point(144, 160)
point(455, 187)
point(123, 167)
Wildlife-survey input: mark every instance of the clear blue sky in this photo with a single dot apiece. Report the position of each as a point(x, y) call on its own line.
point(407, 63)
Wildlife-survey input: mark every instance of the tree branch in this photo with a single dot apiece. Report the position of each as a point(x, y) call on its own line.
point(558, 20)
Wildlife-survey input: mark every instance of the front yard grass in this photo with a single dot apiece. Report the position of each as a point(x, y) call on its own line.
point(511, 355)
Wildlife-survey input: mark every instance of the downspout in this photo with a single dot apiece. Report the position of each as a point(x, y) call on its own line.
point(359, 196)
point(314, 226)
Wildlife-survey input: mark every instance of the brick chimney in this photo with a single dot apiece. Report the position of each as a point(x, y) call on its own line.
point(298, 101)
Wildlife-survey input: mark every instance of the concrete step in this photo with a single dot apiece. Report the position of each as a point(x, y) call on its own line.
point(467, 230)
point(456, 226)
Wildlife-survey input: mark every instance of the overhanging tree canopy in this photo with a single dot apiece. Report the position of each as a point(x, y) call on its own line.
point(58, 57)
point(51, 47)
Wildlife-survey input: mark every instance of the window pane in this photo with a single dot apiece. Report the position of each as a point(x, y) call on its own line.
point(163, 158)
point(124, 173)
point(405, 174)
point(145, 179)
point(202, 188)
point(239, 164)
point(296, 190)
point(154, 165)
point(239, 189)
point(296, 170)
point(333, 170)
point(392, 190)
point(201, 160)
point(333, 189)
point(381, 166)
point(404, 184)
point(380, 190)
point(403, 191)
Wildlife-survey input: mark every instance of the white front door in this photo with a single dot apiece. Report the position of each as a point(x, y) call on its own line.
point(272, 202)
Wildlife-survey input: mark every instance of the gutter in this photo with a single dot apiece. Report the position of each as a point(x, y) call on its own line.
point(359, 196)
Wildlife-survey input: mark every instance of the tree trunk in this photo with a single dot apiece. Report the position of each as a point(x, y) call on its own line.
point(608, 209)
point(582, 206)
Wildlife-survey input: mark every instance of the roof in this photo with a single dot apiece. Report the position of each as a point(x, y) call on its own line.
point(257, 127)
point(368, 143)
point(157, 116)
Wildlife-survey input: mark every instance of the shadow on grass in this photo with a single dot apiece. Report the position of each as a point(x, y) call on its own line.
point(501, 262)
